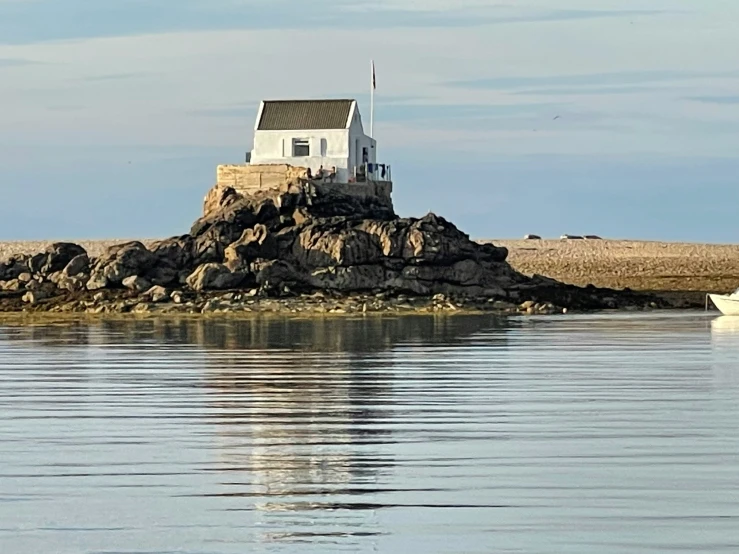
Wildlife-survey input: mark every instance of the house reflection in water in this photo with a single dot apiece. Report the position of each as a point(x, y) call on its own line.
point(303, 416)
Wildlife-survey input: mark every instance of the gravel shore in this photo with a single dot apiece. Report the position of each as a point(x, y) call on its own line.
point(639, 265)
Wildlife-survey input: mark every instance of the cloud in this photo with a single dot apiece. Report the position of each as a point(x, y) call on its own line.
point(113, 76)
point(589, 80)
point(16, 62)
point(721, 100)
point(49, 20)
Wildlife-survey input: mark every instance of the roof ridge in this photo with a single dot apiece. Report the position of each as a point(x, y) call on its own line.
point(312, 100)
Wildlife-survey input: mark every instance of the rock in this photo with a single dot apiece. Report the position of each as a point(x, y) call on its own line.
point(298, 240)
point(97, 281)
point(136, 283)
point(13, 285)
point(78, 264)
point(213, 276)
point(60, 254)
point(163, 275)
point(121, 261)
point(141, 308)
point(157, 294)
point(255, 243)
point(210, 306)
point(174, 253)
point(33, 285)
point(70, 283)
point(34, 296)
point(275, 274)
point(37, 262)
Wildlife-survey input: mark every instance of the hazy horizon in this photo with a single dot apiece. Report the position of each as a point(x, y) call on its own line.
point(115, 115)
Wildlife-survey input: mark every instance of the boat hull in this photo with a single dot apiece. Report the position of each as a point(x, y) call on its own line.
point(725, 304)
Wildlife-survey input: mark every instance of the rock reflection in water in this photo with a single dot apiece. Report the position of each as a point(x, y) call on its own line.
point(302, 411)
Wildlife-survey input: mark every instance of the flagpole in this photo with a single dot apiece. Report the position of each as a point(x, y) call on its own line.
point(372, 98)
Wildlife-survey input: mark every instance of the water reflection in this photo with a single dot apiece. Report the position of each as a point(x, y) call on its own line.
point(430, 434)
point(725, 350)
point(302, 412)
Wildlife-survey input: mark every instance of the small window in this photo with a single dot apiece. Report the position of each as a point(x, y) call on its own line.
point(301, 148)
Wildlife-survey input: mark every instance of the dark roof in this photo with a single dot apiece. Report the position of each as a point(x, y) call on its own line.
point(286, 115)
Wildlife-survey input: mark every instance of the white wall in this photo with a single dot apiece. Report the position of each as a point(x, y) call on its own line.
point(327, 147)
point(341, 147)
point(358, 140)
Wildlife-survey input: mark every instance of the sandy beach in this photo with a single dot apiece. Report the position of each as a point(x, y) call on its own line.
point(639, 265)
point(94, 247)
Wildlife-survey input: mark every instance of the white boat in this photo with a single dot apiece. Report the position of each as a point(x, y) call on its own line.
point(728, 304)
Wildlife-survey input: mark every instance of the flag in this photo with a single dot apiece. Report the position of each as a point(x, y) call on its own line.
point(374, 81)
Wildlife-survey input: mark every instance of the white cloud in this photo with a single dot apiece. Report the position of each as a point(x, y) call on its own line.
point(149, 89)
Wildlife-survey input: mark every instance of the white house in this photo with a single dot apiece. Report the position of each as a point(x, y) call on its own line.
point(315, 133)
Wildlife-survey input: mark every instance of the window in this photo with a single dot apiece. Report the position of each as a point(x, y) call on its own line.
point(301, 148)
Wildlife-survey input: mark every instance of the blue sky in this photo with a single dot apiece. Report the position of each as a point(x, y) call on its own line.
point(113, 115)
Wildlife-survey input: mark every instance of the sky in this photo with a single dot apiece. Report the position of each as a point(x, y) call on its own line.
point(114, 114)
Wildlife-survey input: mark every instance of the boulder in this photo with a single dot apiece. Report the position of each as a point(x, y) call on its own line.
point(255, 243)
point(37, 262)
point(13, 285)
point(157, 294)
point(352, 278)
point(275, 274)
point(326, 244)
point(119, 262)
point(78, 264)
point(163, 275)
point(136, 283)
point(34, 296)
point(13, 268)
point(214, 276)
point(71, 284)
point(59, 254)
point(174, 252)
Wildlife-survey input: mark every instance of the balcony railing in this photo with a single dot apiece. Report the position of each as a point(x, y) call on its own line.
point(373, 172)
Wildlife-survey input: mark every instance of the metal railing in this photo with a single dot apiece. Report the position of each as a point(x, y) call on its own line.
point(373, 172)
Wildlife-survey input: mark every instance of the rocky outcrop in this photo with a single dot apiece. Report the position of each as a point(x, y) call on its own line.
point(297, 241)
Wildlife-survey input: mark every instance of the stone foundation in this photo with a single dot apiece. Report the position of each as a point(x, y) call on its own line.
point(251, 179)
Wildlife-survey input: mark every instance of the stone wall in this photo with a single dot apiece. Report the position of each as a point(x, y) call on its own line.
point(250, 179)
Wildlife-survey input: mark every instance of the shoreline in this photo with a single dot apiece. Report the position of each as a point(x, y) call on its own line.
point(674, 275)
point(677, 271)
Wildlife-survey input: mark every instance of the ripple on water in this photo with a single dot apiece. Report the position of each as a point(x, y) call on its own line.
point(605, 433)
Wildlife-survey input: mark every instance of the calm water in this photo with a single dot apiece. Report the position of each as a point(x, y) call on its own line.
point(463, 434)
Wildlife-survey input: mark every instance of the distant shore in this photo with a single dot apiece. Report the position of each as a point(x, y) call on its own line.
point(94, 247)
point(684, 271)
